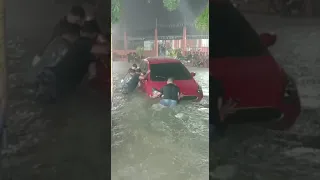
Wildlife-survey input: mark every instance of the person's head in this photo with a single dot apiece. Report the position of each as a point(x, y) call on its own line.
point(89, 30)
point(76, 15)
point(132, 72)
point(134, 66)
point(138, 71)
point(170, 80)
point(70, 32)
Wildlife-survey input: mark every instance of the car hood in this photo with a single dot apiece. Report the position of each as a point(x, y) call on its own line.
point(187, 87)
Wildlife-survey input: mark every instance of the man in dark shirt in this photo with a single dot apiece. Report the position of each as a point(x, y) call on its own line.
point(74, 18)
point(54, 52)
point(64, 77)
point(170, 94)
point(81, 58)
point(133, 82)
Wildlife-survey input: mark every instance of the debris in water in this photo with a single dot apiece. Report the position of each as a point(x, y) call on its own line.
point(15, 48)
point(301, 153)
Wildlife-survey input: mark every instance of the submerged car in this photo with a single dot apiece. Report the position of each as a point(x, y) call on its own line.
point(162, 68)
point(240, 59)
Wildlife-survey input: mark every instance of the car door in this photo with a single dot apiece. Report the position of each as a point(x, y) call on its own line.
point(240, 60)
point(144, 68)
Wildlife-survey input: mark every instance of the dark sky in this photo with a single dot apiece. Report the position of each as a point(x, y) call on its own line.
point(139, 14)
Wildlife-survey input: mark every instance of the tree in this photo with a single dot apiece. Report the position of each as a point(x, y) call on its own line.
point(115, 11)
point(202, 22)
point(171, 5)
point(140, 51)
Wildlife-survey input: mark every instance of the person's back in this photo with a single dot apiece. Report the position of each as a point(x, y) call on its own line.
point(171, 91)
point(170, 94)
point(70, 71)
point(133, 82)
point(53, 53)
point(73, 68)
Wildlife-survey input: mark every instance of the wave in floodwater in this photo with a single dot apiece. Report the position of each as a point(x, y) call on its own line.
point(152, 142)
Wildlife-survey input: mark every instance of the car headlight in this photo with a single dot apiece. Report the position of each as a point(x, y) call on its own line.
point(199, 89)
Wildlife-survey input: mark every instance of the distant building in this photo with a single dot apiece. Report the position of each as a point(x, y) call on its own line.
point(153, 27)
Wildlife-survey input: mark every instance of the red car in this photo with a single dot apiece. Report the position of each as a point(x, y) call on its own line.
point(161, 68)
point(240, 58)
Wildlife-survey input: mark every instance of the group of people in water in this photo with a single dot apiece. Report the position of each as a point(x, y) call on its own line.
point(136, 75)
point(170, 93)
point(69, 56)
point(59, 68)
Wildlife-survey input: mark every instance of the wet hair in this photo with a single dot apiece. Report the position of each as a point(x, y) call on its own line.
point(138, 70)
point(134, 65)
point(89, 27)
point(78, 11)
point(70, 29)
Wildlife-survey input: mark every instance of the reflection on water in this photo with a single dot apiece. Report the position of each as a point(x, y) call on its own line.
point(151, 142)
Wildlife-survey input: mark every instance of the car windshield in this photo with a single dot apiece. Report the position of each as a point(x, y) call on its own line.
point(231, 35)
point(161, 72)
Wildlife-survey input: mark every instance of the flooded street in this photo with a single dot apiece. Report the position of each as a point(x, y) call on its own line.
point(149, 142)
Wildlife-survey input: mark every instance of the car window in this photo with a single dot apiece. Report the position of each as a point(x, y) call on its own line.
point(161, 72)
point(231, 35)
point(143, 66)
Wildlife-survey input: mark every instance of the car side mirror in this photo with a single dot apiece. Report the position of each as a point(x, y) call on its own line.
point(193, 74)
point(268, 39)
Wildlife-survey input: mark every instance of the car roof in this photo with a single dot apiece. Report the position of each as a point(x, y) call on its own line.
point(161, 60)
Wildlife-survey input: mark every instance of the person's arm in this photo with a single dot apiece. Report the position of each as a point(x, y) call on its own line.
point(220, 102)
point(101, 39)
point(142, 77)
point(180, 95)
point(158, 94)
point(220, 91)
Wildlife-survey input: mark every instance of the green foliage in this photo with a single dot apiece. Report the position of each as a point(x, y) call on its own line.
point(140, 51)
point(175, 53)
point(115, 11)
point(171, 5)
point(202, 21)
